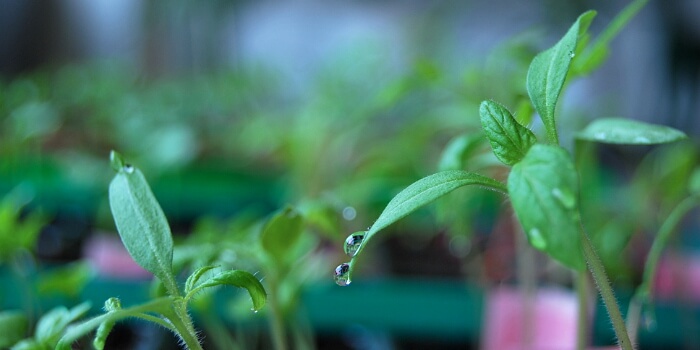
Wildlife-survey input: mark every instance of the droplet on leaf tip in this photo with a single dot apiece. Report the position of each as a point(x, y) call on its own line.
point(342, 274)
point(353, 242)
point(128, 168)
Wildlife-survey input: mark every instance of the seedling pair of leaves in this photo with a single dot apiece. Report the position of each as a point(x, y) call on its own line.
point(146, 235)
point(543, 183)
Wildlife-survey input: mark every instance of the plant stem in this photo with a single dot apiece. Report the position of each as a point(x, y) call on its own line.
point(183, 323)
point(276, 321)
point(582, 289)
point(643, 292)
point(527, 276)
point(606, 292)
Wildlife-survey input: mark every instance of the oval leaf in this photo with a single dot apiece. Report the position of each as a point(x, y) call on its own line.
point(142, 225)
point(425, 191)
point(543, 189)
point(629, 132)
point(281, 233)
point(240, 279)
point(548, 71)
point(510, 140)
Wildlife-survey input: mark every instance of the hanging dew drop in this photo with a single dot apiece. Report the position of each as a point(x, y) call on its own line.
point(353, 242)
point(128, 168)
point(572, 54)
point(342, 274)
point(536, 239)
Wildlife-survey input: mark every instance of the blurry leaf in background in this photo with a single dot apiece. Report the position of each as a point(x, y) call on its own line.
point(459, 150)
point(13, 327)
point(51, 326)
point(17, 233)
point(33, 120)
point(69, 279)
point(281, 233)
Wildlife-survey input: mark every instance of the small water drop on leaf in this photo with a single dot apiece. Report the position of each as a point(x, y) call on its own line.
point(536, 239)
point(353, 242)
point(649, 321)
point(565, 198)
point(572, 54)
point(128, 168)
point(342, 274)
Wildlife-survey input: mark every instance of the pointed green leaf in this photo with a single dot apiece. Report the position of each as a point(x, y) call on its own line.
point(548, 70)
point(543, 189)
point(52, 324)
point(510, 140)
point(629, 132)
point(240, 279)
point(195, 276)
point(142, 224)
point(425, 191)
point(281, 233)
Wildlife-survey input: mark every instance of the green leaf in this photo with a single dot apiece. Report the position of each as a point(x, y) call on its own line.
point(54, 322)
point(68, 279)
point(629, 132)
point(195, 276)
point(548, 71)
point(13, 328)
point(592, 58)
point(510, 140)
point(281, 233)
point(425, 191)
point(240, 279)
point(142, 224)
point(458, 151)
point(543, 189)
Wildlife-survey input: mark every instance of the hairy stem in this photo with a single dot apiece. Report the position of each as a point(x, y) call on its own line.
point(582, 289)
point(183, 323)
point(606, 292)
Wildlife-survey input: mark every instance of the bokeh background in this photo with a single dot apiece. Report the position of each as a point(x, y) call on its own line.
point(237, 108)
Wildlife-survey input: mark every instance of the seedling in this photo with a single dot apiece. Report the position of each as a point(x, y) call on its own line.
point(543, 183)
point(146, 235)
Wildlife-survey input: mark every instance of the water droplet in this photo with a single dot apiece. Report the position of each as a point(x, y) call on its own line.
point(128, 168)
point(536, 239)
point(353, 242)
point(564, 197)
point(254, 311)
point(342, 274)
point(572, 54)
point(113, 304)
point(349, 213)
point(641, 139)
point(649, 321)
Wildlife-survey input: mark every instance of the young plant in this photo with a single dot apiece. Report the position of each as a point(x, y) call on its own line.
point(146, 235)
point(543, 183)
